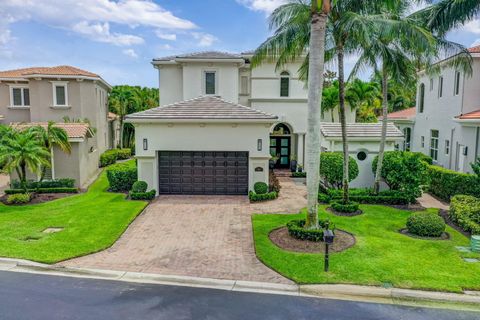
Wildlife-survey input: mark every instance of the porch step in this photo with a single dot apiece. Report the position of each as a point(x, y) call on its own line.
point(282, 173)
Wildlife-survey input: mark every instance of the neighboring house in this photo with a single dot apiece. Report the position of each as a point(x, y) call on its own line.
point(447, 122)
point(113, 131)
point(34, 96)
point(404, 120)
point(219, 122)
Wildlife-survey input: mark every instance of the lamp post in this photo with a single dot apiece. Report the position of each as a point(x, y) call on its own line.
point(328, 237)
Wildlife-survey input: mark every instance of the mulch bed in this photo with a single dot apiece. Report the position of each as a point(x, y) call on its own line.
point(408, 207)
point(282, 239)
point(344, 214)
point(444, 214)
point(39, 198)
point(444, 236)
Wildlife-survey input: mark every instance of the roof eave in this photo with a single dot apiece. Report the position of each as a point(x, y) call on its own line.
point(197, 120)
point(350, 138)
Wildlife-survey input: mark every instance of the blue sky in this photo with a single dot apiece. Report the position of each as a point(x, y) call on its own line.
point(118, 39)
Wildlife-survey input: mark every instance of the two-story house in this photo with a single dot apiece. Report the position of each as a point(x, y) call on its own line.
point(447, 121)
point(220, 121)
point(35, 96)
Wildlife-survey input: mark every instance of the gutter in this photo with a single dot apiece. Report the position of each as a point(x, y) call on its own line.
point(173, 121)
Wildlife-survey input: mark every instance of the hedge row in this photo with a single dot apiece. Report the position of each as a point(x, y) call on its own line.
point(296, 229)
point(445, 183)
point(465, 212)
point(19, 198)
point(42, 190)
point(57, 183)
point(122, 176)
point(366, 196)
point(299, 174)
point(350, 207)
point(150, 195)
point(111, 156)
point(255, 197)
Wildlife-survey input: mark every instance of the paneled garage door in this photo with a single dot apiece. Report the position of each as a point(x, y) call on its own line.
point(208, 172)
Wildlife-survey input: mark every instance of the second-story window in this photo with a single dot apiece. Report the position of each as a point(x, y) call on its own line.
point(421, 98)
point(456, 89)
point(440, 87)
point(20, 97)
point(60, 94)
point(210, 82)
point(284, 84)
point(434, 144)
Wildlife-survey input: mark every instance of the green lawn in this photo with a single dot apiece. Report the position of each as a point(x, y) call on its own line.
point(92, 222)
point(381, 255)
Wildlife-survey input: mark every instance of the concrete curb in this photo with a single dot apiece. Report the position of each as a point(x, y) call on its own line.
point(469, 300)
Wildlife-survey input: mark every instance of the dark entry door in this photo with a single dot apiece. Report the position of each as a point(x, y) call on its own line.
point(203, 172)
point(280, 146)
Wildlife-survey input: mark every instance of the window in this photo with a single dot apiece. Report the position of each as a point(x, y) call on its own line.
point(440, 87)
point(210, 82)
point(19, 97)
point(284, 84)
point(407, 132)
point(422, 141)
point(244, 85)
point(447, 147)
point(456, 89)
point(421, 103)
point(60, 94)
point(434, 144)
point(431, 84)
point(362, 155)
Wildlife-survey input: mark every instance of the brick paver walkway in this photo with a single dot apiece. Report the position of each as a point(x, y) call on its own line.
point(201, 236)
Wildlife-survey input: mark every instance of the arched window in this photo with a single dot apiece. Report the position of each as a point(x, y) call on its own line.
point(281, 129)
point(421, 97)
point(284, 84)
point(407, 132)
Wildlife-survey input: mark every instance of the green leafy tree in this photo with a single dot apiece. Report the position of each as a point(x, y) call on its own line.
point(331, 169)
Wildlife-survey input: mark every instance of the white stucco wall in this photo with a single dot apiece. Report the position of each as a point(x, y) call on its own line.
point(202, 137)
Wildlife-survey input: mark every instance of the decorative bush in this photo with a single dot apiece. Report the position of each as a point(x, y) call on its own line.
point(42, 190)
point(108, 157)
point(122, 176)
point(350, 207)
point(139, 187)
point(296, 230)
point(426, 224)
point(446, 183)
point(124, 154)
point(367, 196)
point(273, 182)
point(465, 212)
point(404, 171)
point(331, 169)
point(299, 174)
point(19, 198)
point(57, 183)
point(260, 188)
point(150, 195)
point(424, 157)
point(323, 198)
point(254, 197)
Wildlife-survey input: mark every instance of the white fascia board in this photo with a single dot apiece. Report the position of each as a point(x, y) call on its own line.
point(50, 76)
point(228, 60)
point(365, 139)
point(468, 122)
point(153, 121)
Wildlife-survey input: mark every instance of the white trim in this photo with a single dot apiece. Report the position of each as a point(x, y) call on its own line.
point(22, 96)
point(144, 120)
point(54, 93)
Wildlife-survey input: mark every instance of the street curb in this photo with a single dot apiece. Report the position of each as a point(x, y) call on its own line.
point(470, 301)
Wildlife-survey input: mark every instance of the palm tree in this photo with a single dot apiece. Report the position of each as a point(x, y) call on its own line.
point(363, 96)
point(51, 136)
point(21, 150)
point(330, 99)
point(121, 102)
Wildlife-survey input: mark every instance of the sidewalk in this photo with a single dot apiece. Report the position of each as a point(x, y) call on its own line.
point(428, 201)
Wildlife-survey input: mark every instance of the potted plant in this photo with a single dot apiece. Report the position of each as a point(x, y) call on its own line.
point(273, 160)
point(293, 163)
point(299, 168)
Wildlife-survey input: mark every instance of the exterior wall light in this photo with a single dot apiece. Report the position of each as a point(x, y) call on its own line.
point(145, 144)
point(259, 145)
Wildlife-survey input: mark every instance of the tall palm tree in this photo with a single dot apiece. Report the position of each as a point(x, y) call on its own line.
point(51, 136)
point(121, 103)
point(330, 99)
point(21, 151)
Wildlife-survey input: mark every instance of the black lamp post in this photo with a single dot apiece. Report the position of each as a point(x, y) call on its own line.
point(328, 237)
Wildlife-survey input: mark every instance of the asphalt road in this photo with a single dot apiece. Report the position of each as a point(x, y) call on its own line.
point(28, 296)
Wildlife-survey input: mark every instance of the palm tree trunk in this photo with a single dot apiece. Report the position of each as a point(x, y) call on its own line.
point(121, 132)
point(343, 122)
point(315, 87)
point(23, 177)
point(381, 152)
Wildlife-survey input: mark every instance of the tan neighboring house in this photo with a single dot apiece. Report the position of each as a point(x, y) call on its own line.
point(34, 96)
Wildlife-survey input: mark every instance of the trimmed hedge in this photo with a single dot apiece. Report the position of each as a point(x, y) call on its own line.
point(150, 195)
point(445, 183)
point(299, 174)
point(345, 208)
point(296, 230)
point(465, 212)
point(42, 190)
point(367, 196)
point(19, 198)
point(122, 176)
point(57, 183)
point(254, 197)
point(139, 187)
point(109, 157)
point(124, 154)
point(260, 188)
point(323, 198)
point(426, 224)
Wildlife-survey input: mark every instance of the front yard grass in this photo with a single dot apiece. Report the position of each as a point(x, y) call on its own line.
point(382, 256)
point(91, 222)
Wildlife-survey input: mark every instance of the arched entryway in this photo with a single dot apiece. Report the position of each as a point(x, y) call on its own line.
point(281, 145)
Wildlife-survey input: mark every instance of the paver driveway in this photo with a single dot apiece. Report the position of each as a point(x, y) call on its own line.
point(201, 236)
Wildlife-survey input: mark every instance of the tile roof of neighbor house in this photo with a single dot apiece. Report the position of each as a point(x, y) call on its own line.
point(359, 130)
point(202, 55)
point(474, 115)
point(406, 114)
point(203, 108)
point(51, 71)
point(475, 49)
point(74, 130)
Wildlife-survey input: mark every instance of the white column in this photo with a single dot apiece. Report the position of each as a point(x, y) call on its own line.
point(300, 149)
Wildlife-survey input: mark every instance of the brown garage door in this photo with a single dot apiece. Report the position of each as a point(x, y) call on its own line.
point(208, 172)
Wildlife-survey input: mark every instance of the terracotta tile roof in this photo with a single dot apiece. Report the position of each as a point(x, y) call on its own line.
point(53, 71)
point(406, 114)
point(475, 49)
point(203, 108)
point(74, 130)
point(359, 130)
point(202, 55)
point(474, 115)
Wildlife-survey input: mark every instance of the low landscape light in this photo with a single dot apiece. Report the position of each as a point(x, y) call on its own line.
point(328, 237)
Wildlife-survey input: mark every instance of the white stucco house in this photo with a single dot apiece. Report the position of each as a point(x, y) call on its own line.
point(404, 120)
point(220, 120)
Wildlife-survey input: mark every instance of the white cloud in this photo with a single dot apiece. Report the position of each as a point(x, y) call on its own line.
point(204, 39)
point(166, 36)
point(130, 52)
point(166, 47)
point(266, 6)
point(101, 32)
point(472, 27)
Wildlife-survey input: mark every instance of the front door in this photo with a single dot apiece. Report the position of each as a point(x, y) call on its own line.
point(280, 147)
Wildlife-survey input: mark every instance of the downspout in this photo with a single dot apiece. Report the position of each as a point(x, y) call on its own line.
point(477, 143)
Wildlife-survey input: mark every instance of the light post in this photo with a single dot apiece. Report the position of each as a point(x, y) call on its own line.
point(328, 237)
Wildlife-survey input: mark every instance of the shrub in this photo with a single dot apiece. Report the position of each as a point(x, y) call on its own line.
point(424, 157)
point(57, 183)
point(331, 169)
point(350, 207)
point(260, 188)
point(299, 174)
point(445, 183)
point(296, 230)
point(273, 182)
point(108, 157)
point(323, 198)
point(122, 176)
point(404, 171)
point(124, 154)
point(19, 198)
point(367, 196)
point(254, 197)
point(43, 190)
point(426, 224)
point(465, 212)
point(150, 195)
point(139, 187)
